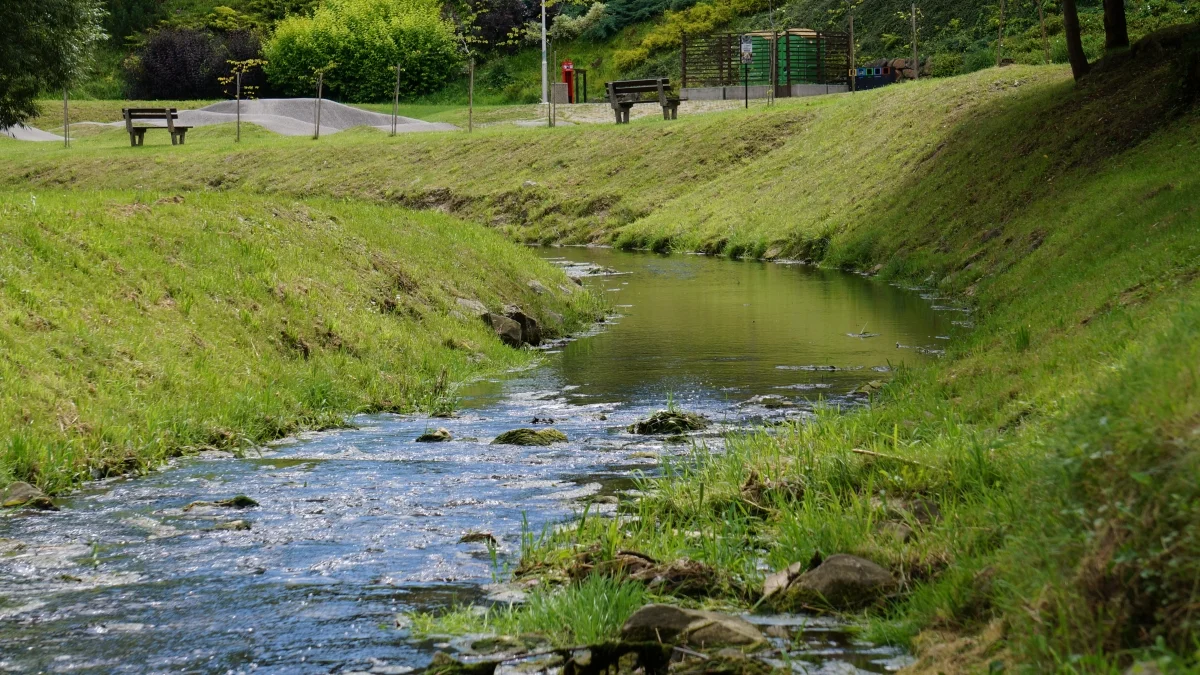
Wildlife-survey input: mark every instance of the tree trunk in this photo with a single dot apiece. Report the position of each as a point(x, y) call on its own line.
point(1116, 30)
point(1079, 64)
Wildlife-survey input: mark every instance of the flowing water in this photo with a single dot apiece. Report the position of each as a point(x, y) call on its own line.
point(357, 525)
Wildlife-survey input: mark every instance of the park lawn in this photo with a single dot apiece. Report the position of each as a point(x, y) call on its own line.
point(138, 325)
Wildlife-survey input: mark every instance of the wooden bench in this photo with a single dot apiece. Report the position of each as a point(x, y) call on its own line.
point(137, 135)
point(624, 94)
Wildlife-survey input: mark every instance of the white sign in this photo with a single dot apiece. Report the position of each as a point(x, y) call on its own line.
point(747, 50)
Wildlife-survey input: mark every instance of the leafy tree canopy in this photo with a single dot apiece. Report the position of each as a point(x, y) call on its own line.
point(44, 45)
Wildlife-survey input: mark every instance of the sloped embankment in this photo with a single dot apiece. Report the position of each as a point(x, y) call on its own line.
point(137, 327)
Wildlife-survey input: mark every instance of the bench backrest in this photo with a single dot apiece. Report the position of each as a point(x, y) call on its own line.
point(149, 113)
point(626, 90)
point(639, 86)
point(168, 114)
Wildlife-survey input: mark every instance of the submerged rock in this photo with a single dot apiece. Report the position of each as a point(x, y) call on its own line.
point(234, 525)
point(21, 493)
point(530, 437)
point(478, 538)
point(669, 422)
point(843, 582)
point(238, 502)
point(666, 623)
point(440, 436)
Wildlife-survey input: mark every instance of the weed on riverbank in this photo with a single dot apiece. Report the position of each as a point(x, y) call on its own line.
point(138, 325)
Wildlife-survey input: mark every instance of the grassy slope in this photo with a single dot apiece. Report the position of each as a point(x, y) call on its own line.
point(136, 327)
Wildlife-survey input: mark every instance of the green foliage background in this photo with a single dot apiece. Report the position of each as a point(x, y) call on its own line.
point(364, 40)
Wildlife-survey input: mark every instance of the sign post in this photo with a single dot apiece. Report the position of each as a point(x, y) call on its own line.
point(747, 59)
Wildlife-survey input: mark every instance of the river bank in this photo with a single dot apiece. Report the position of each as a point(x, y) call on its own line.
point(145, 325)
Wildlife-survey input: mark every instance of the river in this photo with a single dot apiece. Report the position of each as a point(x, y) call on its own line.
point(357, 525)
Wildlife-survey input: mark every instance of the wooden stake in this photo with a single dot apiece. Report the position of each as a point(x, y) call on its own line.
point(1000, 35)
point(66, 122)
point(916, 58)
point(238, 139)
point(853, 65)
point(1045, 39)
point(471, 94)
point(396, 101)
point(317, 121)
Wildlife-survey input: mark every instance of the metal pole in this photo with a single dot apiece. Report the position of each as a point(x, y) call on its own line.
point(545, 76)
point(916, 59)
point(238, 138)
point(317, 119)
point(66, 122)
point(1045, 39)
point(853, 63)
point(1000, 35)
point(396, 102)
point(471, 94)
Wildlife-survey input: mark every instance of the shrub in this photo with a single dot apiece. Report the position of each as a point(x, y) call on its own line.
point(621, 13)
point(696, 20)
point(364, 40)
point(185, 63)
point(946, 64)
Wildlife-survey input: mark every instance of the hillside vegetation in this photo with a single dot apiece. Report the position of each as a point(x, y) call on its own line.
point(139, 325)
point(1058, 442)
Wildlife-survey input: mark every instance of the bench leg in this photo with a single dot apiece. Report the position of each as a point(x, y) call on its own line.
point(141, 137)
point(132, 139)
point(182, 135)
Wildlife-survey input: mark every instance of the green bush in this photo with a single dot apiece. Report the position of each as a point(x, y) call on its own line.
point(946, 64)
point(364, 40)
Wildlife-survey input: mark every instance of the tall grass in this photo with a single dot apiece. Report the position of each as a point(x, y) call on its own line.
point(588, 612)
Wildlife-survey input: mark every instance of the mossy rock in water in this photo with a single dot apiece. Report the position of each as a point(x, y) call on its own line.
point(238, 502)
point(670, 422)
point(440, 436)
point(530, 437)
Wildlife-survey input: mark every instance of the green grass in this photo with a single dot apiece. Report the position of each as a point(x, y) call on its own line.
point(588, 612)
point(138, 325)
point(1058, 439)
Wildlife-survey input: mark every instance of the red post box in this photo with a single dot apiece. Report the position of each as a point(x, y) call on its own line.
point(568, 76)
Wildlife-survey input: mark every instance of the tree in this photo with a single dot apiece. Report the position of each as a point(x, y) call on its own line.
point(1075, 53)
point(1116, 29)
point(45, 45)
